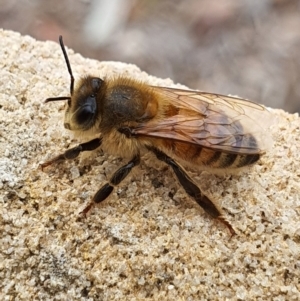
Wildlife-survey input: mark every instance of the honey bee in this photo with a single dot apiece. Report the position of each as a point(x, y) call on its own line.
point(180, 127)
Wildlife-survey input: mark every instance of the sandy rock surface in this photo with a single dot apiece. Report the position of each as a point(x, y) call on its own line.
point(148, 241)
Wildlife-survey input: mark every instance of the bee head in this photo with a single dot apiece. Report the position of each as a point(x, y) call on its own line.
point(82, 110)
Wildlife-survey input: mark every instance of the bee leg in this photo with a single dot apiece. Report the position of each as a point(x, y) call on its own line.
point(74, 152)
point(116, 179)
point(192, 189)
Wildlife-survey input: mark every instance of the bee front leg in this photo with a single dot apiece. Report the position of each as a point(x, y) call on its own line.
point(74, 152)
point(116, 179)
point(192, 189)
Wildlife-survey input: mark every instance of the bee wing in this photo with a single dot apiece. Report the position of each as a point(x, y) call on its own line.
point(214, 121)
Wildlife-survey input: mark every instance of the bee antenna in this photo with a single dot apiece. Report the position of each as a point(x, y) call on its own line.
point(61, 42)
point(57, 98)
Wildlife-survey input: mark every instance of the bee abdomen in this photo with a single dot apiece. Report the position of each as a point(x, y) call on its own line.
point(228, 160)
point(201, 156)
point(245, 160)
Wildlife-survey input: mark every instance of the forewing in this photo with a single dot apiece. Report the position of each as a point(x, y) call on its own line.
point(213, 121)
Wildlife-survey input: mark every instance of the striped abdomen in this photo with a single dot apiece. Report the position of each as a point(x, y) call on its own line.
point(201, 156)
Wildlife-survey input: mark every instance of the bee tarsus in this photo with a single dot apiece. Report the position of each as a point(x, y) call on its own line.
point(74, 152)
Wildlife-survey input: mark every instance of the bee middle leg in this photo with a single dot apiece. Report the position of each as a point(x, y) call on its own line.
point(192, 189)
point(74, 152)
point(116, 179)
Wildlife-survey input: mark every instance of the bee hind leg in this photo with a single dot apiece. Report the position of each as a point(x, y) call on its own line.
point(116, 179)
point(74, 152)
point(192, 189)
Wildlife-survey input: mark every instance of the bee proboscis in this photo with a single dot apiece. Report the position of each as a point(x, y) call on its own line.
point(128, 117)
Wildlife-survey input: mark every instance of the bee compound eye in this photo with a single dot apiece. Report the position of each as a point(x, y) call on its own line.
point(85, 114)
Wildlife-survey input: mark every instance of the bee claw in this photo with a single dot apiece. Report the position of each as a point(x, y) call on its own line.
point(86, 210)
point(42, 166)
point(227, 224)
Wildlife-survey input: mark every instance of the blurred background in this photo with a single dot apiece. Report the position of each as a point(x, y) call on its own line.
point(249, 48)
